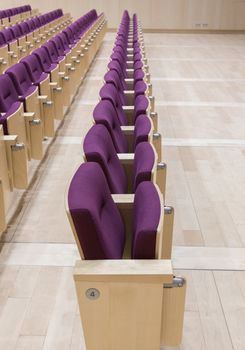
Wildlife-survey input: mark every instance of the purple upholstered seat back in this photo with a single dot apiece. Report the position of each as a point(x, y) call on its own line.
point(110, 92)
point(44, 59)
point(34, 68)
point(20, 78)
point(97, 221)
point(141, 105)
point(105, 113)
point(142, 129)
point(8, 94)
point(52, 51)
point(8, 100)
point(112, 77)
point(147, 211)
point(98, 147)
point(144, 160)
point(7, 34)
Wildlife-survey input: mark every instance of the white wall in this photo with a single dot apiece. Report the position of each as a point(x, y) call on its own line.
point(154, 14)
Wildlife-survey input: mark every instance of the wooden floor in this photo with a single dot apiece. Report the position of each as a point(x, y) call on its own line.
point(199, 84)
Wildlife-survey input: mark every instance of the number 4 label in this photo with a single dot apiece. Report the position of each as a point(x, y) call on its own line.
point(92, 293)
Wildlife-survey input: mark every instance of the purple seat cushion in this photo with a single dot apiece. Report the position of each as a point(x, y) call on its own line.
point(147, 211)
point(110, 92)
point(21, 80)
point(140, 87)
point(144, 160)
point(142, 129)
point(98, 147)
point(105, 113)
point(98, 224)
point(141, 105)
point(34, 69)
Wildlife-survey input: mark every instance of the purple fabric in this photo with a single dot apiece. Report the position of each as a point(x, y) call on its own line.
point(105, 113)
point(140, 87)
point(142, 129)
point(52, 52)
point(114, 65)
point(144, 160)
point(62, 50)
point(112, 77)
point(44, 60)
point(139, 75)
point(141, 105)
point(24, 28)
point(147, 210)
point(7, 35)
point(109, 92)
point(96, 219)
point(21, 80)
point(98, 147)
point(8, 100)
point(34, 69)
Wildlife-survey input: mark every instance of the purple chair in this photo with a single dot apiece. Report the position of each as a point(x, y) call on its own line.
point(98, 147)
point(144, 162)
point(9, 102)
point(110, 92)
point(105, 113)
point(34, 69)
point(98, 226)
point(112, 77)
point(47, 65)
point(146, 217)
point(22, 82)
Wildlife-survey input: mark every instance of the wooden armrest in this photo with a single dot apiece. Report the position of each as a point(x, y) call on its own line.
point(123, 201)
point(42, 97)
point(29, 114)
point(134, 271)
point(127, 129)
point(126, 158)
point(129, 92)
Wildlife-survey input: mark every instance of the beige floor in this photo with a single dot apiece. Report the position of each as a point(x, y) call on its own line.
point(199, 84)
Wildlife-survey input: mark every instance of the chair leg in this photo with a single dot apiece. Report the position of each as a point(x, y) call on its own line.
point(173, 312)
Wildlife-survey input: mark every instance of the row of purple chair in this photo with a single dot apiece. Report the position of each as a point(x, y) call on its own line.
point(14, 11)
point(106, 144)
point(18, 40)
point(36, 93)
point(14, 15)
point(115, 205)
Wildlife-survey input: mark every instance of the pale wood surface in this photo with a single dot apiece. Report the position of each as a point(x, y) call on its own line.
point(198, 81)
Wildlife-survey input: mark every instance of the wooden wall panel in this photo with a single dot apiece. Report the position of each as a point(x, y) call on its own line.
point(156, 14)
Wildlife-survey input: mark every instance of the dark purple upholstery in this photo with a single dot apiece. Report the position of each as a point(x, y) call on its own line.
point(142, 129)
point(24, 28)
point(140, 87)
point(34, 69)
point(8, 100)
point(98, 147)
point(112, 77)
point(105, 113)
point(52, 52)
point(60, 46)
point(98, 224)
point(21, 80)
point(44, 60)
point(141, 105)
point(147, 210)
point(144, 160)
point(7, 35)
point(109, 92)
